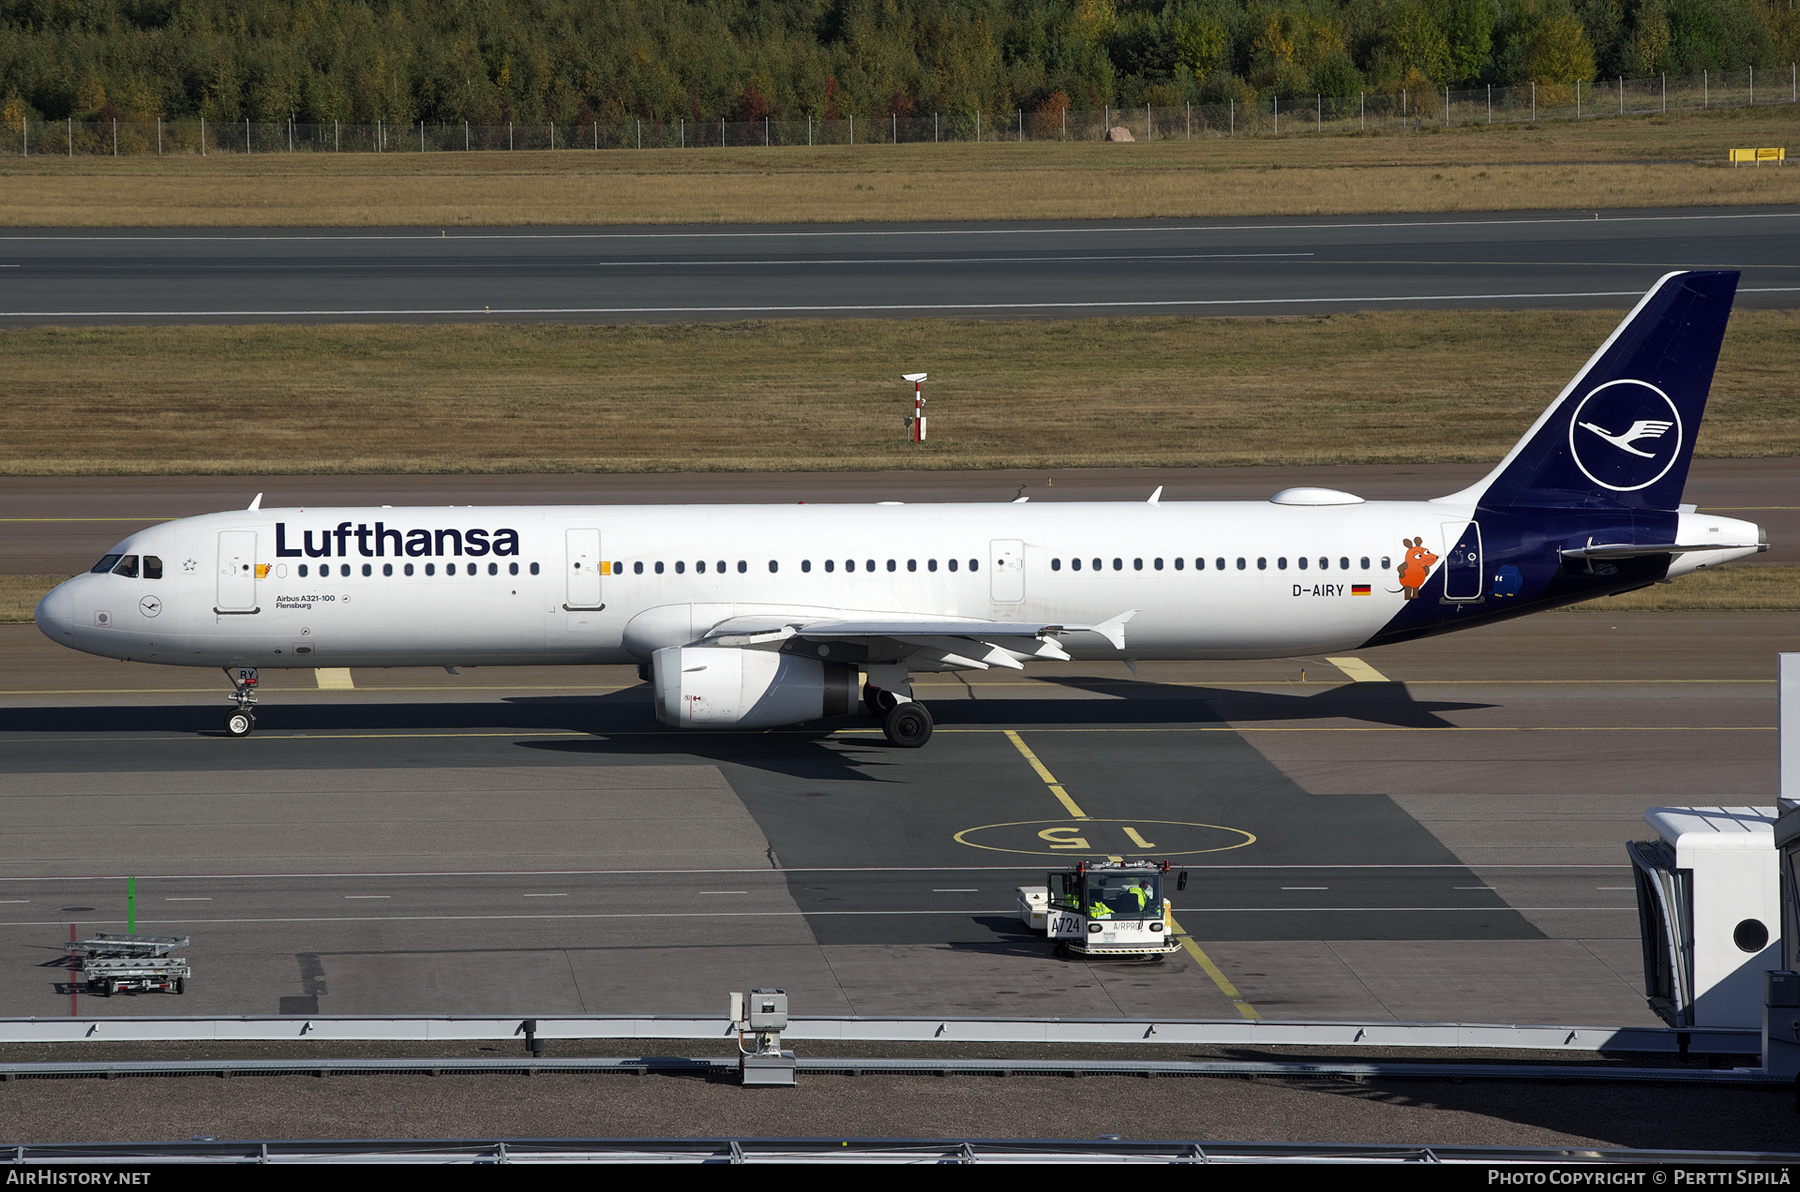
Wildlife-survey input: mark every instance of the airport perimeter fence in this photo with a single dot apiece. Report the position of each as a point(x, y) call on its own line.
point(1379, 111)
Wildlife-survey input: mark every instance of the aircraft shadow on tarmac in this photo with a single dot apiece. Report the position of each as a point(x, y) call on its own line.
point(620, 724)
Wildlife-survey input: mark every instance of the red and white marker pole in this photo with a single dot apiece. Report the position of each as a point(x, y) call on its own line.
point(917, 421)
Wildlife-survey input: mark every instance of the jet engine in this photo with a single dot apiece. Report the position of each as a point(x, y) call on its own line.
point(726, 687)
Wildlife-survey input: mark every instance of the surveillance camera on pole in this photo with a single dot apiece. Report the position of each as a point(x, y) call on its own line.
point(916, 424)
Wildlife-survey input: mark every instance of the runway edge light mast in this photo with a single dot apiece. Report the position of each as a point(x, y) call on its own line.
point(916, 423)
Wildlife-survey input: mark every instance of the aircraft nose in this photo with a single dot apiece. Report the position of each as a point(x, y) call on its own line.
point(53, 616)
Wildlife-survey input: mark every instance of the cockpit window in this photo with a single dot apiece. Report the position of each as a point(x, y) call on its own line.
point(127, 567)
point(152, 567)
point(106, 564)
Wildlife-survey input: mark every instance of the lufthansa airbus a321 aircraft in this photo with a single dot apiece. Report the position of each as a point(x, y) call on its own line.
point(753, 616)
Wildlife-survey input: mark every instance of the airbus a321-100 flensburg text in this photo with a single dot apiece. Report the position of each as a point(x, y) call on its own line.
point(753, 616)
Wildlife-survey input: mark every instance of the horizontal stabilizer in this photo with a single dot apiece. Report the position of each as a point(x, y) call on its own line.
point(1638, 550)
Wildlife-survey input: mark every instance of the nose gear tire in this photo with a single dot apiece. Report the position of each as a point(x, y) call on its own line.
point(239, 724)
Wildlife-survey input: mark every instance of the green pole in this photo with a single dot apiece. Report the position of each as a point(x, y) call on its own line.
point(131, 906)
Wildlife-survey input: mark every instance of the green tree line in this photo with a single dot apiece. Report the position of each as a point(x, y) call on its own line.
point(493, 61)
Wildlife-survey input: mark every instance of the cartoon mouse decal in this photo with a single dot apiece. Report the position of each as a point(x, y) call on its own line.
point(1416, 567)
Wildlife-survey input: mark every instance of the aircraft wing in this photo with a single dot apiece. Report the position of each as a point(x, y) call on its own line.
point(918, 641)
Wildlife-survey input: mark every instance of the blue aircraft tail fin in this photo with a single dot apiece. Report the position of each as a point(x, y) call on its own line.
point(1622, 432)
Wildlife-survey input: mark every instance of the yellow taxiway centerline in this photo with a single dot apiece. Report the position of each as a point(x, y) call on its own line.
point(1187, 942)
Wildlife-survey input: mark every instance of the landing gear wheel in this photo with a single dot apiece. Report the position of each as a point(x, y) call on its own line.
point(878, 702)
point(907, 725)
point(239, 724)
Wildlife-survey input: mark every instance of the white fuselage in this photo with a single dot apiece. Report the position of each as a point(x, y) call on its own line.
point(666, 574)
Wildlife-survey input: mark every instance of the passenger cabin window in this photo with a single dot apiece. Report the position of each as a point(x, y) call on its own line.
point(409, 569)
point(636, 568)
point(1385, 562)
point(127, 567)
point(1180, 562)
point(1302, 562)
point(1240, 562)
point(831, 564)
point(952, 564)
point(1262, 564)
point(368, 569)
point(699, 568)
point(1280, 564)
point(974, 564)
point(912, 564)
point(805, 565)
point(1056, 564)
point(680, 567)
point(303, 571)
point(534, 568)
point(152, 567)
point(774, 566)
point(743, 566)
point(1343, 564)
point(431, 568)
point(931, 564)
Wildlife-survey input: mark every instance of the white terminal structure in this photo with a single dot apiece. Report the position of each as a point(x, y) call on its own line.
point(1717, 903)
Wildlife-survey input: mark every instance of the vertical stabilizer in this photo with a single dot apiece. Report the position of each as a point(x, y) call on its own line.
point(1622, 432)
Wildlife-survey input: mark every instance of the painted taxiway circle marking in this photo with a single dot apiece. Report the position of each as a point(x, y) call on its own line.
point(1087, 836)
point(1070, 835)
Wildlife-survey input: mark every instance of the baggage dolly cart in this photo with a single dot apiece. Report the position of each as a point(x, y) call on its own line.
point(132, 963)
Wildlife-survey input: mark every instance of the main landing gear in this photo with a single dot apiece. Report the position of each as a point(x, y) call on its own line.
point(905, 722)
point(239, 722)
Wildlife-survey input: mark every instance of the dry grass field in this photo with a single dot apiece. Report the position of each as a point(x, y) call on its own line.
point(1380, 387)
point(1644, 161)
point(1727, 588)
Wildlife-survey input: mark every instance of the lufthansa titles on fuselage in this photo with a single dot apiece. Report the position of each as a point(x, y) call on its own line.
point(410, 543)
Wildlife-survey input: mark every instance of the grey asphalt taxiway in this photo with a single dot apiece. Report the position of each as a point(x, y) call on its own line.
point(1306, 265)
point(1434, 830)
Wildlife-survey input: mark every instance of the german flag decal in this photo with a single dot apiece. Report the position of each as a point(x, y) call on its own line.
point(1359, 589)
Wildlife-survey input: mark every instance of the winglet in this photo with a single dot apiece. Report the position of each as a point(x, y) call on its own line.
point(1114, 630)
point(257, 504)
point(1156, 496)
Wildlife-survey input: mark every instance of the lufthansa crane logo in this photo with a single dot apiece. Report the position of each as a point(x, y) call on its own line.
point(1625, 435)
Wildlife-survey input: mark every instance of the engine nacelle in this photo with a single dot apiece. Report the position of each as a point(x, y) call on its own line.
point(724, 687)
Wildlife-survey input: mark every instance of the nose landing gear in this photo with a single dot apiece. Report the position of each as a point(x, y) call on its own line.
point(238, 723)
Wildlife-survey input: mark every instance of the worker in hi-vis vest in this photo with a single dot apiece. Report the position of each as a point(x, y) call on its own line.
point(1141, 892)
point(1099, 909)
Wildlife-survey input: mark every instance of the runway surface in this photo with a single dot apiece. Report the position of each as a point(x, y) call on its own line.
point(1444, 845)
point(60, 525)
point(1558, 260)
